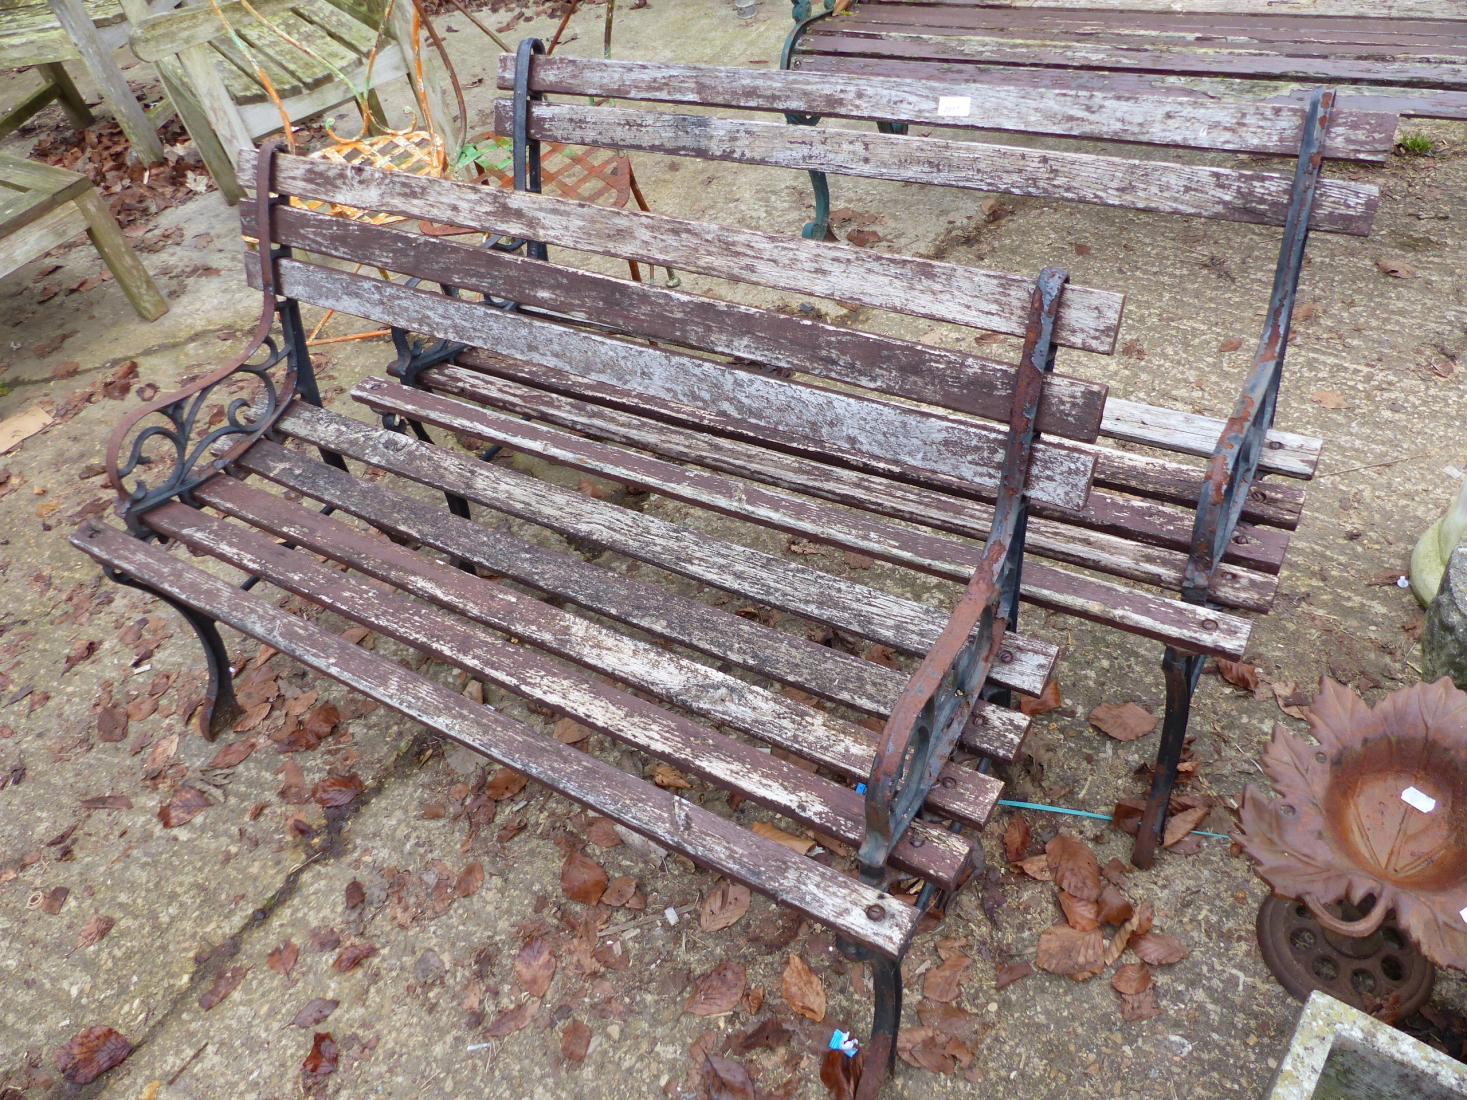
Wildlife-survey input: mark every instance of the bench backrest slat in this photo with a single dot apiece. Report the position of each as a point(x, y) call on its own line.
point(803, 417)
point(1154, 119)
point(1071, 408)
point(1088, 318)
point(1198, 190)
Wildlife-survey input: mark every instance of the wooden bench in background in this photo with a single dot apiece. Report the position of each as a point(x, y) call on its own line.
point(42, 206)
point(677, 394)
point(1216, 538)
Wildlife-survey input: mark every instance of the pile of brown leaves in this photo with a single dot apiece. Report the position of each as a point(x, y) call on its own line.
point(1090, 897)
point(134, 192)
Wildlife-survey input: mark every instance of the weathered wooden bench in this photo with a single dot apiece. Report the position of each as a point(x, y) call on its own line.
point(1382, 57)
point(686, 396)
point(1214, 537)
point(42, 206)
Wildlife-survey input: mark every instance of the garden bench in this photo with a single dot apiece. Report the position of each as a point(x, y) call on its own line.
point(1379, 59)
point(42, 206)
point(1214, 537)
point(690, 390)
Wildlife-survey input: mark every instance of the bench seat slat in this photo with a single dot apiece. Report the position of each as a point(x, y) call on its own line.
point(1070, 407)
point(1228, 194)
point(1107, 553)
point(802, 415)
point(821, 670)
point(1171, 621)
point(904, 625)
point(1080, 113)
point(825, 895)
point(1088, 318)
point(791, 725)
point(776, 784)
point(1284, 453)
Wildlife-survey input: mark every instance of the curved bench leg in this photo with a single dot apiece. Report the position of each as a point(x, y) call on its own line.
point(220, 709)
point(1181, 671)
point(886, 1018)
point(819, 228)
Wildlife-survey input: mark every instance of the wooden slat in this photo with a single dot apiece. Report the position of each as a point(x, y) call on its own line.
point(327, 49)
point(355, 35)
point(825, 895)
point(1172, 622)
point(1162, 120)
point(1197, 190)
point(881, 435)
point(266, 43)
point(1188, 433)
point(1116, 555)
point(1088, 319)
point(170, 32)
point(796, 727)
point(286, 84)
point(1070, 408)
point(788, 658)
point(902, 624)
point(1129, 517)
point(1244, 64)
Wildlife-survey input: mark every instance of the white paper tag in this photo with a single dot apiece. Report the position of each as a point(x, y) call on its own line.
point(1463, 915)
point(954, 106)
point(1423, 802)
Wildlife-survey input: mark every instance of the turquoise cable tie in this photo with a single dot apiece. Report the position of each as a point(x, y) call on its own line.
point(1085, 813)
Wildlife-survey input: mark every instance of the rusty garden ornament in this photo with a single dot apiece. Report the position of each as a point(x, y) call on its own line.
point(1377, 808)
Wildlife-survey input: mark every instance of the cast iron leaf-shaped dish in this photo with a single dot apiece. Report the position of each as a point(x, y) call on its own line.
point(1340, 827)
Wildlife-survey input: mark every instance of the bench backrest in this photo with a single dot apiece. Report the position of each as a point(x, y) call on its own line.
point(1231, 194)
point(573, 325)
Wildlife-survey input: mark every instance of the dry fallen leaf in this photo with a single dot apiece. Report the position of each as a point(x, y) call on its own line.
point(575, 1040)
point(185, 805)
point(351, 955)
point(507, 1023)
point(1075, 868)
point(1123, 721)
point(1047, 701)
point(336, 791)
point(924, 1048)
point(840, 1075)
point(322, 1057)
point(665, 775)
point(1395, 267)
point(89, 1054)
point(1158, 949)
point(233, 753)
point(569, 732)
point(717, 991)
point(724, 1078)
point(354, 894)
point(1329, 399)
point(1016, 836)
point(724, 905)
point(1232, 343)
point(1037, 867)
point(534, 966)
point(313, 1012)
point(1179, 825)
point(1007, 975)
point(505, 783)
point(282, 959)
point(1139, 1006)
point(1238, 673)
point(803, 989)
point(622, 891)
point(93, 931)
point(469, 880)
point(779, 836)
point(601, 831)
point(1131, 978)
point(943, 983)
point(1065, 950)
point(1113, 908)
point(1080, 913)
point(223, 986)
point(582, 879)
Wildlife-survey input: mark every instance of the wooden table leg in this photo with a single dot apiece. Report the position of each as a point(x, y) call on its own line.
point(119, 257)
point(98, 60)
point(77, 111)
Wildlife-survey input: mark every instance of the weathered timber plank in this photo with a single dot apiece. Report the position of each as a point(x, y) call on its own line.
point(824, 895)
point(718, 696)
point(170, 32)
point(1088, 318)
point(788, 658)
point(773, 783)
point(1125, 517)
point(1161, 120)
point(1196, 190)
point(1242, 64)
point(1189, 433)
point(902, 624)
point(1108, 553)
point(1170, 621)
point(882, 435)
point(1070, 408)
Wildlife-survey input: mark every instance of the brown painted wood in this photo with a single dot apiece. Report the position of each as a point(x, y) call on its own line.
point(1169, 621)
point(1196, 190)
point(785, 657)
point(1116, 555)
point(1191, 123)
point(1088, 319)
point(716, 696)
point(825, 895)
point(1070, 408)
point(904, 625)
point(881, 435)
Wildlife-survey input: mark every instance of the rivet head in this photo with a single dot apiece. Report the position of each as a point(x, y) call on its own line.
point(1257, 494)
point(875, 912)
point(1320, 758)
point(1275, 445)
point(1286, 810)
point(1006, 657)
point(1209, 624)
point(1240, 540)
point(916, 841)
point(949, 782)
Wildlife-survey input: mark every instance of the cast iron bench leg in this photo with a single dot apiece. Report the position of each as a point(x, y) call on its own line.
point(1181, 671)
